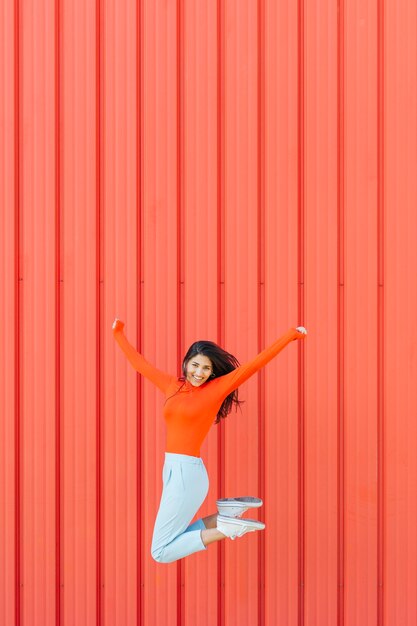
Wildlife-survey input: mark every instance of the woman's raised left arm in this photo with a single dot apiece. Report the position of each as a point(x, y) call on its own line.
point(231, 381)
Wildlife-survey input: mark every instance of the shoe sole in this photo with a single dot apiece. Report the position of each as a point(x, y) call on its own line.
point(246, 502)
point(232, 521)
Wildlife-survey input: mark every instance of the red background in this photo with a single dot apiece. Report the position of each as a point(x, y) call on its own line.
point(216, 170)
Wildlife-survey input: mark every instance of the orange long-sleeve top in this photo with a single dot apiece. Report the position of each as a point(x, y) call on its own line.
point(190, 411)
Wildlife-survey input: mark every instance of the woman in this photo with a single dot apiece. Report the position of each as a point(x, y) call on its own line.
point(207, 389)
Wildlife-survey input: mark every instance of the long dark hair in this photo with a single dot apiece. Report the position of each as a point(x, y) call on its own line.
point(223, 362)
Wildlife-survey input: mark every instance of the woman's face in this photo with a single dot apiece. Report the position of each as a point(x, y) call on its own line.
point(198, 370)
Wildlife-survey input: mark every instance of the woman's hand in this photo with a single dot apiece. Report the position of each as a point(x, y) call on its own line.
point(302, 332)
point(118, 325)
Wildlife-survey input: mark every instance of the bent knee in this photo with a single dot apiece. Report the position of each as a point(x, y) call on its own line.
point(159, 556)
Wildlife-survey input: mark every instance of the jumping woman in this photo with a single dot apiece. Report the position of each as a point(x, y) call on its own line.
point(207, 390)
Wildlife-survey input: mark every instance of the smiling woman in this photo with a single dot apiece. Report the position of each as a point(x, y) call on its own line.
point(206, 360)
point(207, 389)
point(199, 370)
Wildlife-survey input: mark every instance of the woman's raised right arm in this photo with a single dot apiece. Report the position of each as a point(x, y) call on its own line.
point(141, 365)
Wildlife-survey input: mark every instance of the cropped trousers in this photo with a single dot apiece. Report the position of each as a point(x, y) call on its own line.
point(185, 487)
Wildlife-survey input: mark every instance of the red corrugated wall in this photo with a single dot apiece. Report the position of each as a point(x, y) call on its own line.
point(220, 170)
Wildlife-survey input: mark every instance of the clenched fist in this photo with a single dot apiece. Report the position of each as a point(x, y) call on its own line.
point(118, 325)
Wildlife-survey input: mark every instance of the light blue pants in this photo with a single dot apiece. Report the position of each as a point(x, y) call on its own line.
point(185, 488)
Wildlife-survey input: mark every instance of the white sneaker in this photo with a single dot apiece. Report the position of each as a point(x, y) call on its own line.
point(235, 507)
point(301, 329)
point(232, 527)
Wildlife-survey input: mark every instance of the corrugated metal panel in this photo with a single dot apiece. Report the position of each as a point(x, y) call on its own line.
point(223, 171)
